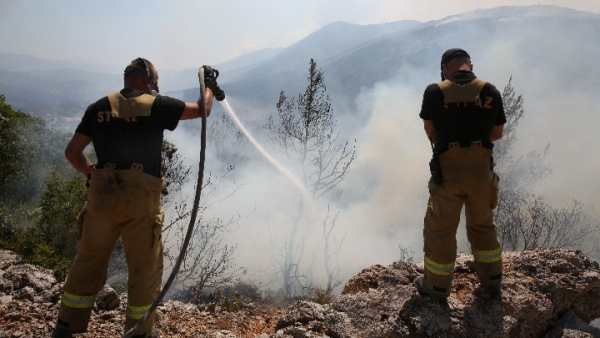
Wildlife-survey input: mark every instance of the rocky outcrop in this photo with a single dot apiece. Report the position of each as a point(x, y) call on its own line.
point(546, 293)
point(30, 298)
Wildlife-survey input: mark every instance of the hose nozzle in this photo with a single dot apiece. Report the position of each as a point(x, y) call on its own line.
point(210, 80)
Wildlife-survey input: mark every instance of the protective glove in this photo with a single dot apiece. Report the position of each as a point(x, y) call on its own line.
point(210, 81)
point(210, 77)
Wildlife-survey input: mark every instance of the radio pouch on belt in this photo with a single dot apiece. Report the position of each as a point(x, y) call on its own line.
point(435, 168)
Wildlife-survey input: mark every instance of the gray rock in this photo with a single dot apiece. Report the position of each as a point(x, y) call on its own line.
point(26, 293)
point(22, 275)
point(108, 299)
point(8, 258)
point(539, 288)
point(221, 334)
point(572, 326)
point(546, 293)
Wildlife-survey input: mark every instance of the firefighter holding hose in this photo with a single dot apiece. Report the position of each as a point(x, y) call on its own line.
point(462, 116)
point(124, 197)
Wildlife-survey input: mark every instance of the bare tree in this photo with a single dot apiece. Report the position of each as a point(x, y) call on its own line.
point(526, 221)
point(331, 252)
point(231, 146)
point(526, 170)
point(529, 222)
point(208, 261)
point(305, 130)
point(406, 254)
point(514, 111)
point(176, 173)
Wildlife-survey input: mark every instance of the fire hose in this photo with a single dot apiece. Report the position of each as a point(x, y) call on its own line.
point(194, 214)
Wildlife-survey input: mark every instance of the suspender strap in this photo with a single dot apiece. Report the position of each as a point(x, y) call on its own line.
point(461, 104)
point(125, 108)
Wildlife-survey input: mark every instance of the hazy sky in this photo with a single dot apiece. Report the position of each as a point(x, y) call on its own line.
point(179, 34)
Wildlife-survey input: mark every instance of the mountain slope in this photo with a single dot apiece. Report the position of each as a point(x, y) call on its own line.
point(528, 42)
point(544, 36)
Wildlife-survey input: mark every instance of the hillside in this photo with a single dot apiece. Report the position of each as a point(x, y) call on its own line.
point(546, 293)
point(375, 76)
point(514, 40)
point(518, 41)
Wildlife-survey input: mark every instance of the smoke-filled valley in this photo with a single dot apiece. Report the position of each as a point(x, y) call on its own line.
point(376, 89)
point(374, 76)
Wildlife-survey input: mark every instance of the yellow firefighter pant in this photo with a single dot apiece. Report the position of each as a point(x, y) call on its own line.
point(467, 180)
point(126, 204)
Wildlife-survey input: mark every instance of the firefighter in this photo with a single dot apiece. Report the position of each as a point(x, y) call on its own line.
point(462, 116)
point(124, 197)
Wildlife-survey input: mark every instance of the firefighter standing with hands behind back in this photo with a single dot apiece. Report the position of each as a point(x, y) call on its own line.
point(462, 116)
point(124, 197)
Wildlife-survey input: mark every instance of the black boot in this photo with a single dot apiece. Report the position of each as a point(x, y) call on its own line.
point(154, 334)
point(439, 295)
point(493, 292)
point(61, 332)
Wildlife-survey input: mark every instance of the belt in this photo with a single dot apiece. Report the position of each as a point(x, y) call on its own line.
point(134, 166)
point(466, 145)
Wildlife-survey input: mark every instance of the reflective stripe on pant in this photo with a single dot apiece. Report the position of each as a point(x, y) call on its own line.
point(468, 181)
point(126, 204)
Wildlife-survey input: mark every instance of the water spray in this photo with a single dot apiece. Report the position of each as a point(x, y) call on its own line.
point(257, 145)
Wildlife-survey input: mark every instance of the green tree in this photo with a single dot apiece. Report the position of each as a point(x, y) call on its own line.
point(40, 194)
point(28, 151)
point(52, 241)
point(9, 230)
point(60, 205)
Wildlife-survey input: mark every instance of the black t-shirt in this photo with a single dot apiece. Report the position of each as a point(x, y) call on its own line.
point(124, 142)
point(458, 121)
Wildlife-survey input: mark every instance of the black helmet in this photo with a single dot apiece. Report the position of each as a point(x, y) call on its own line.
point(453, 53)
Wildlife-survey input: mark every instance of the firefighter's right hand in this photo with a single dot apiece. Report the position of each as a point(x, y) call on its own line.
point(210, 77)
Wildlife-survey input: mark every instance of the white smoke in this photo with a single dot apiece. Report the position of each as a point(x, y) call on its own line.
point(384, 196)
